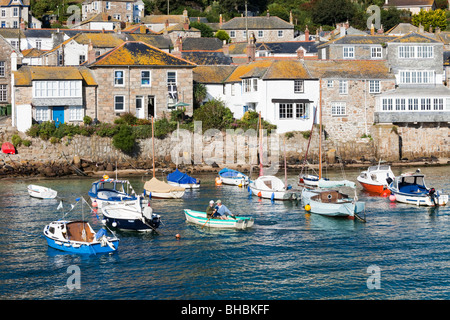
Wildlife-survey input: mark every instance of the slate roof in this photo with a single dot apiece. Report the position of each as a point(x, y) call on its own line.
point(206, 57)
point(409, 3)
point(414, 37)
point(161, 19)
point(360, 39)
point(133, 53)
point(260, 22)
point(210, 44)
point(287, 47)
point(26, 74)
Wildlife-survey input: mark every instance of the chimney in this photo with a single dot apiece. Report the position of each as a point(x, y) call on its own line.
point(166, 23)
point(185, 13)
point(186, 24)
point(251, 49)
point(386, 2)
point(221, 21)
point(291, 17)
point(268, 14)
point(178, 47)
point(300, 53)
point(381, 30)
point(13, 61)
point(142, 29)
point(91, 53)
point(22, 24)
point(226, 48)
point(306, 34)
point(372, 30)
point(342, 31)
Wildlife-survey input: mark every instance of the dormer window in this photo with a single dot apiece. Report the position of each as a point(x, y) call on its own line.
point(349, 52)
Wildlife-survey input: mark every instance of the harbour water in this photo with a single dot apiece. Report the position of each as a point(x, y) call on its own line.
point(288, 254)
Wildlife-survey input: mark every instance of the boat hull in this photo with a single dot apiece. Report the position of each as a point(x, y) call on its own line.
point(184, 185)
point(275, 195)
point(166, 195)
point(199, 218)
point(419, 200)
point(346, 208)
point(234, 181)
point(374, 188)
point(41, 192)
point(125, 218)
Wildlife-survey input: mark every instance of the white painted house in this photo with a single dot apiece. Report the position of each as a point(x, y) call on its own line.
point(282, 90)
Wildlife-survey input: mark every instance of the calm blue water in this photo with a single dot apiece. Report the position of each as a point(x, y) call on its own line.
point(288, 254)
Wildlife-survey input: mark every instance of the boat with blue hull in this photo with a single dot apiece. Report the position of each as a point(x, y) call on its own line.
point(79, 237)
point(411, 188)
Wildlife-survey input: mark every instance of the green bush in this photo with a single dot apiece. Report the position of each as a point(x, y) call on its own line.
point(124, 139)
point(16, 140)
point(214, 115)
point(87, 120)
point(26, 143)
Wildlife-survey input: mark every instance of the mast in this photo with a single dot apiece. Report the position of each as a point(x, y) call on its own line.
point(285, 168)
point(260, 147)
point(153, 149)
point(320, 129)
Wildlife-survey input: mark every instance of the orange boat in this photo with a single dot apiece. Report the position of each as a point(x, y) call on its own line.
point(376, 179)
point(7, 147)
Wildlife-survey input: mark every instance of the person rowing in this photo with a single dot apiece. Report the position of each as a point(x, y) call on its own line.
point(222, 211)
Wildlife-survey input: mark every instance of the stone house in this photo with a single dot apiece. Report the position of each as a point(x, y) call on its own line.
point(99, 21)
point(417, 62)
point(267, 29)
point(121, 10)
point(159, 22)
point(141, 79)
point(59, 94)
point(9, 60)
point(349, 89)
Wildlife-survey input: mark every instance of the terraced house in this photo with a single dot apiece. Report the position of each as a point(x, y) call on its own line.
point(144, 80)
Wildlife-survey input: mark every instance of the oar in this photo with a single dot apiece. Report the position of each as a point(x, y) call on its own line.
point(206, 222)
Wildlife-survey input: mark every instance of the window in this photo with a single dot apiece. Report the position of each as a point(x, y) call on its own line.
point(413, 104)
point(145, 78)
point(116, 16)
point(425, 104)
point(338, 109)
point(81, 58)
point(329, 83)
point(128, 5)
point(108, 5)
point(15, 44)
point(416, 77)
point(3, 92)
point(280, 34)
point(255, 84)
point(15, 24)
point(38, 44)
point(172, 85)
point(232, 34)
point(301, 111)
point(374, 86)
point(387, 104)
point(15, 12)
point(119, 103)
point(118, 78)
point(171, 77)
point(2, 68)
point(3, 14)
point(298, 86)
point(286, 111)
point(415, 52)
point(246, 85)
point(349, 52)
point(56, 89)
point(260, 33)
point(400, 104)
point(343, 87)
point(438, 104)
point(76, 113)
point(232, 89)
point(376, 52)
point(42, 114)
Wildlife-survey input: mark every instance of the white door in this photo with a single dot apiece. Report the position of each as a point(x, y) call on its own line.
point(140, 107)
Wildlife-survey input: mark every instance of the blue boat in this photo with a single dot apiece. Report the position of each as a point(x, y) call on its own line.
point(233, 177)
point(178, 178)
point(79, 237)
point(109, 190)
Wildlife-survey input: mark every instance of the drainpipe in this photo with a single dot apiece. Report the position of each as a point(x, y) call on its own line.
point(365, 107)
point(129, 90)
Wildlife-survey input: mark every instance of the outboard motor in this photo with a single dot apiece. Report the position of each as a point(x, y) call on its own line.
point(432, 195)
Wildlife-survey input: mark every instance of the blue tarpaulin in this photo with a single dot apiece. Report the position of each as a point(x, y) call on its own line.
point(230, 173)
point(180, 177)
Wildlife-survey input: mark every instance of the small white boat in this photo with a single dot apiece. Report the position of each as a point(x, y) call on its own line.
point(180, 179)
point(108, 190)
point(271, 187)
point(410, 188)
point(79, 237)
point(376, 179)
point(130, 217)
point(199, 218)
point(233, 177)
point(41, 192)
point(331, 202)
point(157, 189)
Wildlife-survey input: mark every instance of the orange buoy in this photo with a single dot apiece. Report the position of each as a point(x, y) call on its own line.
point(218, 181)
point(259, 194)
point(177, 236)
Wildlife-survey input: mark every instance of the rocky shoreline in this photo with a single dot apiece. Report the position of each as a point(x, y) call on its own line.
point(10, 168)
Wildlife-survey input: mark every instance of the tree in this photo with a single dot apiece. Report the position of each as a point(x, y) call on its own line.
point(330, 12)
point(436, 18)
point(205, 30)
point(223, 35)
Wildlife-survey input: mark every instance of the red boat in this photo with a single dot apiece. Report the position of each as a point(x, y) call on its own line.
point(376, 179)
point(7, 147)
